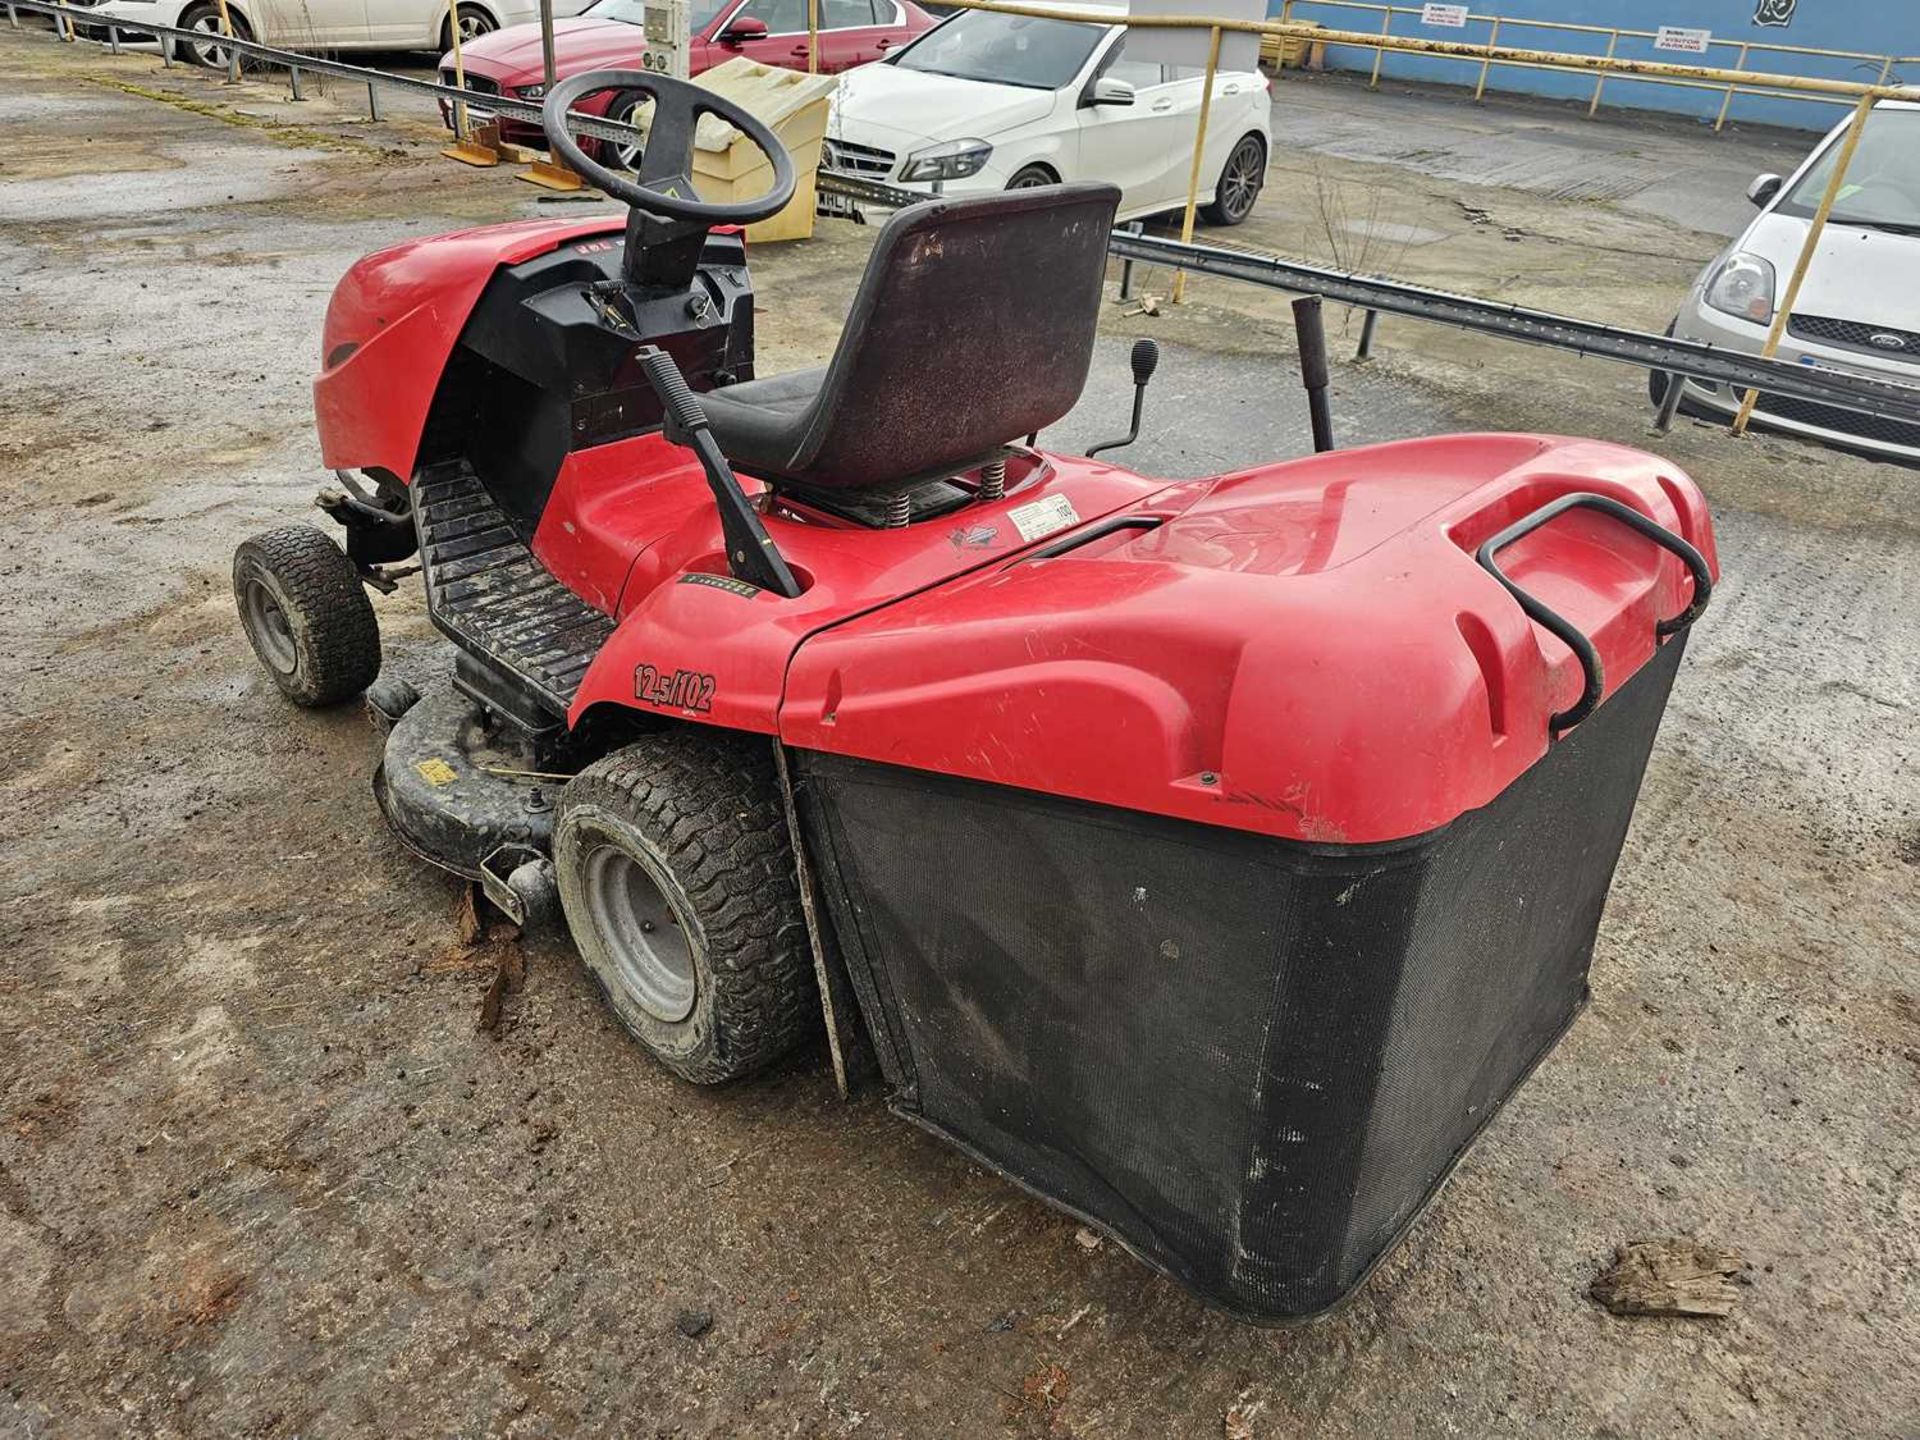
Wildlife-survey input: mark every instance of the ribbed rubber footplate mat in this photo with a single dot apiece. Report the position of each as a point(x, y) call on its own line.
point(490, 596)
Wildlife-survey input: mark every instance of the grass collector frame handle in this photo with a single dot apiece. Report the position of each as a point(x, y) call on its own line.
point(1568, 633)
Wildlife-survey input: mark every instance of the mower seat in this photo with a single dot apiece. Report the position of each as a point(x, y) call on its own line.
point(973, 326)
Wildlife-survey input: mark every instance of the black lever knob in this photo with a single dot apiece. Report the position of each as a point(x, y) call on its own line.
point(684, 413)
point(1145, 359)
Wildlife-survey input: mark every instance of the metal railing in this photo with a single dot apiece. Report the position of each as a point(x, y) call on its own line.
point(1881, 66)
point(1692, 359)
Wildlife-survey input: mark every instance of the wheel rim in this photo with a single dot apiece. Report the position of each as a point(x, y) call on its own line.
point(1242, 183)
point(627, 157)
point(267, 624)
point(473, 25)
point(206, 53)
point(642, 934)
point(1034, 181)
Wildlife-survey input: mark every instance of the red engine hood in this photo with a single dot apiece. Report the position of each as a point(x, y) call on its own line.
point(512, 56)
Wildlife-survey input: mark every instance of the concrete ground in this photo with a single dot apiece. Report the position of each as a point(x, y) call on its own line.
point(260, 1175)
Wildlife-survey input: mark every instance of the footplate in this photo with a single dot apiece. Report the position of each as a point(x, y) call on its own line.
point(491, 597)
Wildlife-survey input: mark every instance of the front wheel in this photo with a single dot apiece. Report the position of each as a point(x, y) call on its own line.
point(1032, 177)
point(677, 876)
point(307, 615)
point(1239, 184)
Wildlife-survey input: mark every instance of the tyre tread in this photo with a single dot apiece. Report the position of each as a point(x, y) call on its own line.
point(337, 638)
point(710, 802)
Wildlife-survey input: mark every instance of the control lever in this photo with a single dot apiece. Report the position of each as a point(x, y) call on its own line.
point(1145, 359)
point(751, 554)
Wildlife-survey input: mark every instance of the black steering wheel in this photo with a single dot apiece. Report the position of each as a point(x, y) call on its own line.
point(665, 184)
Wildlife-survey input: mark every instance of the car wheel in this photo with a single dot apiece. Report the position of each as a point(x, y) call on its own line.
point(628, 107)
point(474, 22)
point(677, 876)
point(1032, 177)
point(1239, 184)
point(204, 20)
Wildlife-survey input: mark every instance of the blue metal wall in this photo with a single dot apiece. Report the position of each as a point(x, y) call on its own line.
point(1882, 27)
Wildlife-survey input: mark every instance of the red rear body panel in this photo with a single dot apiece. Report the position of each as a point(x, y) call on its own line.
point(1306, 650)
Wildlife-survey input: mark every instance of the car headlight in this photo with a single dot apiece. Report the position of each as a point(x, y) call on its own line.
point(955, 160)
point(531, 92)
point(1743, 286)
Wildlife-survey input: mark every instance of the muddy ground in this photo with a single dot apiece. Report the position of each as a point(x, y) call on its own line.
point(261, 1175)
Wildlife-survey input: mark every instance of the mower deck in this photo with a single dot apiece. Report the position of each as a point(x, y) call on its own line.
point(491, 597)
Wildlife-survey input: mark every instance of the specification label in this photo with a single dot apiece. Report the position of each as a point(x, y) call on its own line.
point(1452, 17)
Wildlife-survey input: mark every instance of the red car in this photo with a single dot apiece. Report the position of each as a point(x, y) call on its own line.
point(609, 35)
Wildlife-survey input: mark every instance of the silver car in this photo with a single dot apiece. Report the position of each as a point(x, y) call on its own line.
point(1859, 308)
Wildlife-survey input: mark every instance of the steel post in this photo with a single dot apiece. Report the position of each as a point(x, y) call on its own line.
point(1669, 405)
point(373, 101)
point(1493, 39)
point(1380, 51)
point(1593, 105)
point(293, 77)
point(1726, 102)
point(1367, 326)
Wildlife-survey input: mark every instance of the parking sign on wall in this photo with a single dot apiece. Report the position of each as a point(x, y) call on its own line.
point(1675, 37)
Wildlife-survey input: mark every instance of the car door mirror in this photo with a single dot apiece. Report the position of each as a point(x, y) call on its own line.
point(1763, 189)
point(742, 28)
point(1112, 92)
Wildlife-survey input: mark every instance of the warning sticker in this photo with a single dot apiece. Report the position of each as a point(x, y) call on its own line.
point(1040, 518)
point(1453, 17)
point(436, 772)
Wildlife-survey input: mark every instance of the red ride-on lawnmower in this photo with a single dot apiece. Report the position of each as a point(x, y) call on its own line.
point(1210, 857)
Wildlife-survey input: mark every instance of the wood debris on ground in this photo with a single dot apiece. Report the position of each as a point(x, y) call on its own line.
point(1669, 1277)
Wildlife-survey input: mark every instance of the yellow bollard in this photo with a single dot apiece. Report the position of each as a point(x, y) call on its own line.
point(1805, 262)
point(465, 148)
point(1199, 157)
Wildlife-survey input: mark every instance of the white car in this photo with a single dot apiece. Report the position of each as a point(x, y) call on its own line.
point(989, 101)
point(317, 24)
point(1859, 308)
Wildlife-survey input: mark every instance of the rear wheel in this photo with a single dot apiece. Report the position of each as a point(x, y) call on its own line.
point(208, 47)
point(307, 615)
point(677, 876)
point(474, 22)
point(1239, 184)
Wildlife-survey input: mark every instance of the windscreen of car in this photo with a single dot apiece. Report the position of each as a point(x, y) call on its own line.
point(700, 13)
point(1881, 187)
point(1005, 49)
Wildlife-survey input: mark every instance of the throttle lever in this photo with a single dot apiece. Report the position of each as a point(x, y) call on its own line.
point(751, 554)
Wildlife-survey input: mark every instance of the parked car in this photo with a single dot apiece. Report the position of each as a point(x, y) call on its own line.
point(1859, 308)
point(317, 24)
point(992, 101)
point(607, 35)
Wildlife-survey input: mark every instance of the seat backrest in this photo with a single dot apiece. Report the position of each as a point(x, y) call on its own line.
point(973, 326)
